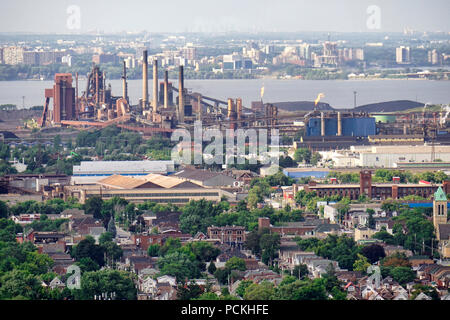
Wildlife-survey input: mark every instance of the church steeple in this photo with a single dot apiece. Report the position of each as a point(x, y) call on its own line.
point(439, 208)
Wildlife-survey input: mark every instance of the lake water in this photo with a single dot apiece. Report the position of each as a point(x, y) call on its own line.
point(338, 93)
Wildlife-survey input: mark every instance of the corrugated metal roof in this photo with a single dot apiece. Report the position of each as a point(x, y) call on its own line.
point(163, 181)
point(123, 166)
point(121, 182)
point(195, 174)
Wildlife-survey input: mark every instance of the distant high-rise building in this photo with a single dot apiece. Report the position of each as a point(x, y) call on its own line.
point(268, 49)
point(67, 60)
point(31, 58)
point(236, 61)
point(104, 58)
point(358, 54)
point(403, 55)
point(1, 56)
point(13, 55)
point(329, 49)
point(304, 51)
point(189, 52)
point(434, 57)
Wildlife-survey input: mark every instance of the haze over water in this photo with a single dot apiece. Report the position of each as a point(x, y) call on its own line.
point(338, 93)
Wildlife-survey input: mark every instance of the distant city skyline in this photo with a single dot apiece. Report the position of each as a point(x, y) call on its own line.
point(48, 16)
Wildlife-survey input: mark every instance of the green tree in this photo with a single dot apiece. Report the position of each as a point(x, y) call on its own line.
point(153, 250)
point(112, 252)
point(105, 237)
point(302, 155)
point(179, 265)
point(263, 291)
point(94, 206)
point(235, 263)
point(212, 268)
point(87, 248)
point(18, 284)
point(189, 292)
point(87, 264)
point(373, 252)
point(371, 219)
point(300, 271)
point(3, 210)
point(403, 275)
point(243, 285)
point(108, 281)
point(361, 264)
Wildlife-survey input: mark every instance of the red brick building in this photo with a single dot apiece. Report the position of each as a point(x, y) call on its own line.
point(379, 191)
point(227, 234)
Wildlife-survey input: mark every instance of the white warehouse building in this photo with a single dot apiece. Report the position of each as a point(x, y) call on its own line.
point(89, 172)
point(386, 156)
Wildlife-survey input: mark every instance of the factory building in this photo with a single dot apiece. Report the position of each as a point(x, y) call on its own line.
point(63, 95)
point(90, 172)
point(206, 178)
point(353, 127)
point(152, 187)
point(380, 191)
point(385, 156)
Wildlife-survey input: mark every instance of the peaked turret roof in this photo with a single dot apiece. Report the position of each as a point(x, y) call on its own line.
point(440, 195)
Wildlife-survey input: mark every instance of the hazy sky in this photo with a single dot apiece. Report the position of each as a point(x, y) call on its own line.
point(50, 16)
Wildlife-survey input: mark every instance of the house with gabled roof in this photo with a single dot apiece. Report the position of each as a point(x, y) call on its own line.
point(56, 283)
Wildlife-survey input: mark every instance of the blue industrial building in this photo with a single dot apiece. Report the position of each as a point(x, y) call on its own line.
point(354, 127)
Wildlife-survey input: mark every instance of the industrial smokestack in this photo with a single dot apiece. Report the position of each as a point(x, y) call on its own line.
point(97, 88)
point(181, 94)
point(232, 113)
point(145, 79)
point(104, 88)
point(155, 85)
point(322, 124)
point(166, 89)
point(230, 107)
point(124, 82)
point(200, 108)
point(339, 124)
point(76, 95)
point(239, 108)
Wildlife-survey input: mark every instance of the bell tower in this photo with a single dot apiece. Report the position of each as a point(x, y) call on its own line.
point(439, 208)
point(365, 183)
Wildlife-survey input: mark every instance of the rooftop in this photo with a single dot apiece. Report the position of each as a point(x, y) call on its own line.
point(124, 167)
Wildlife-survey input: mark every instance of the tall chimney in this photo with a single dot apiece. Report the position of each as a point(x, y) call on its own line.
point(155, 85)
point(339, 124)
point(181, 95)
point(200, 108)
point(322, 124)
point(239, 109)
point(145, 79)
point(97, 88)
point(76, 96)
point(230, 107)
point(124, 82)
point(104, 88)
point(166, 89)
point(232, 113)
